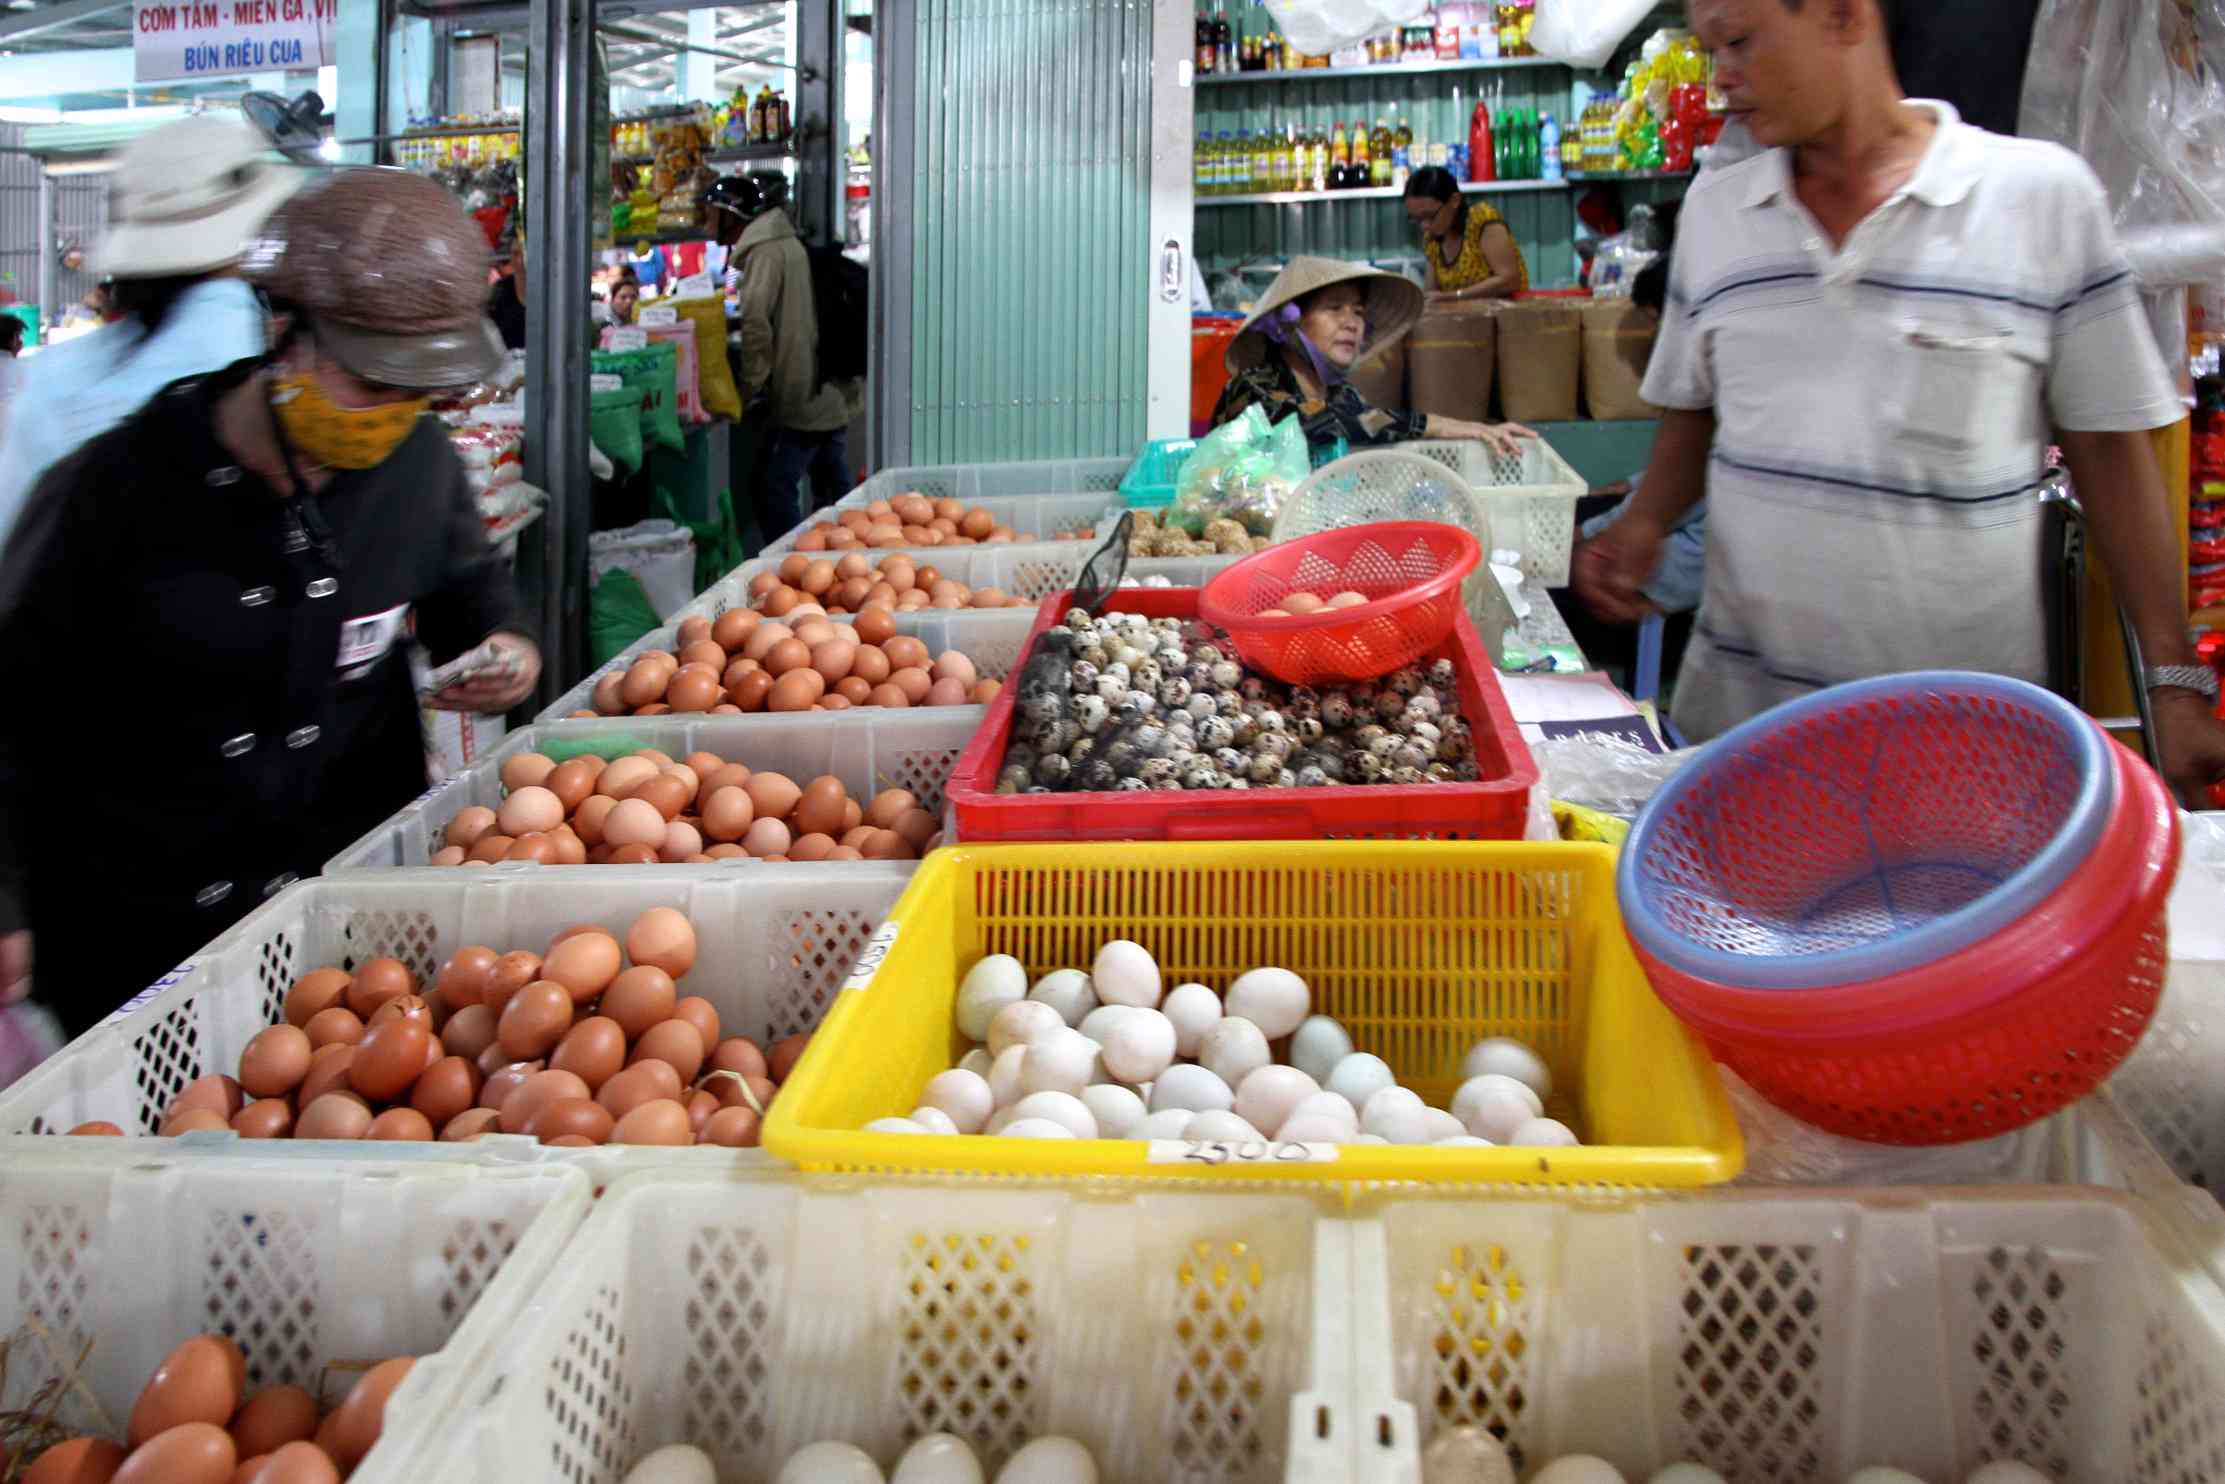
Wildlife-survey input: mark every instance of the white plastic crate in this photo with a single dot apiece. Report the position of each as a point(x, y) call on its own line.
point(1185, 1338)
point(974, 482)
point(134, 1251)
point(1031, 572)
point(774, 944)
point(1531, 498)
point(991, 640)
point(869, 749)
point(1036, 515)
point(1791, 1338)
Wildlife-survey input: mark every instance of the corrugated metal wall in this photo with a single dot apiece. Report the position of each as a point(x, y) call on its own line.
point(80, 206)
point(1031, 229)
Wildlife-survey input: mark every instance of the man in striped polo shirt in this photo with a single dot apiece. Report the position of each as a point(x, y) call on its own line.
point(1875, 327)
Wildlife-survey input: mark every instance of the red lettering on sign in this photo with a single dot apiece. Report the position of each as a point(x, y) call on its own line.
point(154, 18)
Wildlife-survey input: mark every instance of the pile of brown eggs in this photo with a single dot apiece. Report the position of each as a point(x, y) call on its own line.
point(644, 808)
point(574, 1047)
point(745, 663)
point(912, 519)
point(853, 582)
point(193, 1423)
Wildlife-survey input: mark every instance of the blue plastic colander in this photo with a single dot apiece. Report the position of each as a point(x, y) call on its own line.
point(1865, 831)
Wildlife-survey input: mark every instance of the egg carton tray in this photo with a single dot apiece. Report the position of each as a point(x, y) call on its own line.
point(1031, 515)
point(1031, 572)
point(974, 483)
point(869, 749)
point(123, 1251)
point(1184, 1338)
point(774, 946)
point(993, 640)
point(1793, 1337)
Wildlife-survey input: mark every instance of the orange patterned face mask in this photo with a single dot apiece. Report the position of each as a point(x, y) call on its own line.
point(337, 437)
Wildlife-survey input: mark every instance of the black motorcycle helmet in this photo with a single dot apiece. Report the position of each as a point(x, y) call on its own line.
point(738, 200)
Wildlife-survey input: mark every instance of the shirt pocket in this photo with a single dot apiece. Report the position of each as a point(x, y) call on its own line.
point(1961, 393)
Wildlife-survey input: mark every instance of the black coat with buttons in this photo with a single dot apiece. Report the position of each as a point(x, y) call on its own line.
point(208, 690)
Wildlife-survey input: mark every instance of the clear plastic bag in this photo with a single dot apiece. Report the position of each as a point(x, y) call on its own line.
point(1319, 27)
point(1242, 471)
point(1585, 33)
point(1602, 771)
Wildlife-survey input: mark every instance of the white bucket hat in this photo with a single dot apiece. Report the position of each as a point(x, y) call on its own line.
point(188, 198)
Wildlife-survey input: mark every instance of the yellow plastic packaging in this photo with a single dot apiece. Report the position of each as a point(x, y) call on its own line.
point(1419, 948)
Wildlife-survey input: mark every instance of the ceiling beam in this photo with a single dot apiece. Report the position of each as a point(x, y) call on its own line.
point(54, 17)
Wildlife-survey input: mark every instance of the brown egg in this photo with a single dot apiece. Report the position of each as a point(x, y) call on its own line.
point(786, 1053)
point(772, 795)
point(792, 567)
point(470, 1124)
point(703, 652)
point(795, 691)
point(587, 821)
point(852, 816)
point(833, 658)
point(817, 577)
point(727, 814)
point(763, 583)
point(512, 972)
point(536, 1092)
point(272, 1418)
point(400, 1126)
point(525, 770)
point(377, 982)
point(694, 690)
point(724, 853)
point(354, 1428)
point(888, 694)
point(732, 628)
point(725, 775)
point(691, 630)
point(216, 1093)
point(951, 665)
point(584, 964)
point(856, 835)
point(389, 1059)
point(98, 1128)
point(700, 1105)
point(880, 595)
point(849, 688)
point(983, 692)
point(608, 697)
point(781, 601)
point(580, 1118)
point(889, 806)
point(593, 1050)
point(632, 855)
point(336, 1115)
point(267, 1118)
point(763, 638)
point(885, 845)
point(328, 1072)
point(767, 837)
point(637, 821)
point(464, 978)
point(852, 593)
point(754, 1091)
point(530, 811)
point(274, 1063)
point(682, 843)
point(870, 664)
point(917, 827)
point(77, 1461)
point(639, 998)
point(535, 1020)
point(445, 1089)
point(876, 626)
point(638, 1084)
point(319, 989)
point(663, 938)
point(912, 601)
point(730, 1128)
point(977, 523)
point(469, 1031)
point(193, 1121)
point(913, 682)
point(676, 1043)
point(819, 808)
point(666, 794)
point(468, 826)
point(905, 651)
point(194, 1453)
point(447, 855)
point(844, 853)
point(570, 850)
point(752, 691)
point(539, 849)
point(946, 693)
point(701, 1014)
point(900, 573)
point(660, 1121)
point(643, 684)
point(737, 1054)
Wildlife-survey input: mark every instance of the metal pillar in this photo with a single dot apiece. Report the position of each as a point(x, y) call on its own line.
point(50, 313)
point(895, 53)
point(818, 119)
point(558, 38)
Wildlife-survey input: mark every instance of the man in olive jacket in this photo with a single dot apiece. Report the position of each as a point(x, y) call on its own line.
point(778, 353)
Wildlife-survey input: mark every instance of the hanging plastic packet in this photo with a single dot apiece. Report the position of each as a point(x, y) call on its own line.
point(1242, 471)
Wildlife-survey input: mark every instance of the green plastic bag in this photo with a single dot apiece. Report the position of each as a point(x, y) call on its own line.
point(718, 542)
point(1242, 471)
point(618, 613)
point(652, 371)
point(614, 423)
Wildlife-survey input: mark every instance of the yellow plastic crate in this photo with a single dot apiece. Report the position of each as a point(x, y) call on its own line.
point(1419, 948)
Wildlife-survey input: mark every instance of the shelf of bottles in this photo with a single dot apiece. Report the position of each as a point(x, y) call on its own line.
point(1459, 36)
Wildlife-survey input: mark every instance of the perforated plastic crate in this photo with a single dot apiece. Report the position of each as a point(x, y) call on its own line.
point(1184, 1338)
point(973, 482)
point(133, 1249)
point(992, 640)
point(1031, 572)
point(1037, 516)
point(1530, 497)
point(774, 944)
point(873, 748)
point(1791, 1338)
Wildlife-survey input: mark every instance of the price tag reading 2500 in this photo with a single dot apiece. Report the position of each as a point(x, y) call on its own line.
point(1238, 1152)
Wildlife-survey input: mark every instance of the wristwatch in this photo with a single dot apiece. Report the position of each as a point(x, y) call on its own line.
point(2200, 679)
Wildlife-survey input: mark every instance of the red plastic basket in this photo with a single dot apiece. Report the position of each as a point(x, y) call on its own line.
point(1496, 807)
point(1980, 1042)
point(1411, 570)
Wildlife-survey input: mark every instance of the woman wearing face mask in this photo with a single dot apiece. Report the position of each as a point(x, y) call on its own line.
point(232, 576)
point(1318, 320)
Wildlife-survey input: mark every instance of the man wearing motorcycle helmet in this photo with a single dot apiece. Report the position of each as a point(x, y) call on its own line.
point(237, 570)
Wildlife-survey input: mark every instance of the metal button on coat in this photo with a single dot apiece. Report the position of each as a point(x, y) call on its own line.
point(302, 736)
point(239, 746)
point(256, 597)
point(323, 587)
point(214, 892)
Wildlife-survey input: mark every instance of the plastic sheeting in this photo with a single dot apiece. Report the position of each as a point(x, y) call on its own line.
point(1319, 27)
point(2119, 82)
point(1585, 33)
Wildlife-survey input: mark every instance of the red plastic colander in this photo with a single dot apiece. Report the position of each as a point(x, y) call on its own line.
point(1409, 570)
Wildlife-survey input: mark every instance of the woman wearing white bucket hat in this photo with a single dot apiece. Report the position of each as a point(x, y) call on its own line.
point(183, 203)
point(1318, 320)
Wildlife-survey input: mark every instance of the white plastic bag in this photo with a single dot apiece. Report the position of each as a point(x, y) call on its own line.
point(1319, 27)
point(660, 554)
point(1584, 33)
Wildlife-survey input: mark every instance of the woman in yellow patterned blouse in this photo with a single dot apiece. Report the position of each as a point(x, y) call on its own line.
point(1471, 251)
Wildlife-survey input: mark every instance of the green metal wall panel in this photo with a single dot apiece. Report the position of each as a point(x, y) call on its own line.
point(1031, 229)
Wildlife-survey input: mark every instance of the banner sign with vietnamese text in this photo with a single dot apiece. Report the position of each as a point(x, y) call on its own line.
point(217, 38)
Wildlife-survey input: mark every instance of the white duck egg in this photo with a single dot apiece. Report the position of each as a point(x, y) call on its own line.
point(934, 1120)
point(1318, 1045)
point(1064, 1061)
point(1004, 1076)
point(675, 1463)
point(1578, 1468)
point(1219, 1123)
point(1234, 1049)
point(1068, 991)
point(1194, 1009)
point(1545, 1133)
point(1139, 1046)
point(989, 986)
point(977, 1061)
point(829, 1463)
point(1494, 1105)
point(1117, 1110)
point(1465, 1455)
point(1462, 1141)
point(1098, 1023)
point(1312, 1128)
point(962, 1096)
point(1396, 1113)
point(1022, 1023)
point(1266, 1098)
point(1275, 1000)
point(1035, 1128)
point(1126, 974)
point(1069, 1112)
point(1191, 1088)
point(896, 1126)
point(1439, 1125)
point(1359, 1077)
point(1167, 1123)
point(1050, 1461)
point(1509, 1058)
point(1329, 1106)
point(938, 1458)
